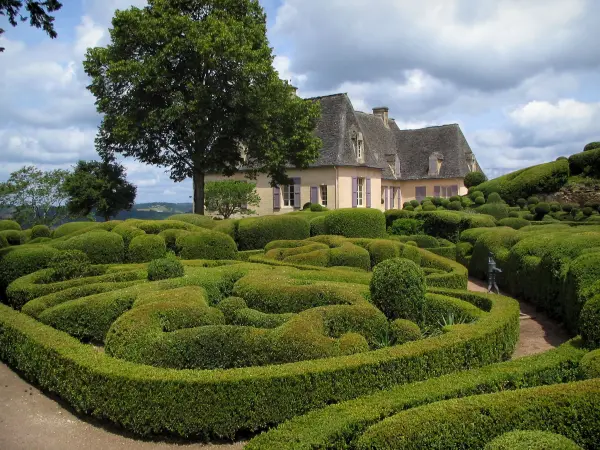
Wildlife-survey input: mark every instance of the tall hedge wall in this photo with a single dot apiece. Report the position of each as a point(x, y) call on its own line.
point(255, 233)
point(356, 223)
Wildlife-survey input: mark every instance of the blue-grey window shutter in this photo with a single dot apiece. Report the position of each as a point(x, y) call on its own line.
point(354, 192)
point(276, 197)
point(368, 192)
point(314, 194)
point(399, 195)
point(297, 187)
point(454, 190)
point(391, 198)
point(385, 197)
point(437, 191)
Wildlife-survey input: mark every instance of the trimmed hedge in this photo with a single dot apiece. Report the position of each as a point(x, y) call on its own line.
point(145, 248)
point(549, 177)
point(590, 364)
point(164, 269)
point(586, 163)
point(13, 237)
point(255, 233)
point(69, 264)
point(220, 403)
point(403, 331)
point(472, 422)
point(22, 261)
point(532, 440)
point(102, 247)
point(589, 323)
point(170, 237)
point(340, 425)
point(206, 245)
point(195, 219)
point(40, 231)
point(391, 215)
point(514, 222)
point(356, 223)
point(317, 226)
point(9, 225)
point(157, 226)
point(3, 242)
point(71, 227)
point(127, 232)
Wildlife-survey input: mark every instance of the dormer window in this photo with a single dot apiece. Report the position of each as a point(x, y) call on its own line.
point(471, 162)
point(435, 164)
point(397, 167)
point(360, 151)
point(358, 144)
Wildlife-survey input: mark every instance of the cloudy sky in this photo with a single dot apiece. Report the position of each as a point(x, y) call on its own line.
point(521, 78)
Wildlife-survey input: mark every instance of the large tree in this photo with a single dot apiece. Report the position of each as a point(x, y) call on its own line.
point(101, 187)
point(37, 11)
point(190, 85)
point(37, 197)
point(230, 197)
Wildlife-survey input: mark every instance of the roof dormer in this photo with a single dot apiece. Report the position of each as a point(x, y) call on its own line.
point(358, 143)
point(435, 164)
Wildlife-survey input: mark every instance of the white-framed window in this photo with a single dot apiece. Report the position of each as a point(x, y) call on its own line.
point(360, 150)
point(323, 190)
point(288, 196)
point(360, 192)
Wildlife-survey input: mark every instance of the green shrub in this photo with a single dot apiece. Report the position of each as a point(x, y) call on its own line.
point(474, 179)
point(227, 226)
point(514, 222)
point(590, 364)
point(127, 232)
point(392, 215)
point(585, 163)
point(13, 237)
point(207, 245)
point(317, 208)
point(477, 221)
point(255, 233)
point(340, 425)
point(23, 261)
point(146, 248)
point(532, 440)
point(9, 225)
point(157, 226)
point(522, 203)
point(589, 323)
point(195, 219)
point(498, 210)
point(412, 243)
point(3, 242)
point(40, 231)
point(403, 331)
point(587, 211)
point(409, 208)
point(442, 224)
point(514, 214)
point(69, 264)
point(476, 194)
point(549, 177)
point(350, 255)
point(101, 247)
point(591, 146)
point(71, 227)
point(380, 250)
point(455, 206)
point(165, 268)
point(415, 203)
point(533, 200)
point(555, 207)
point(170, 237)
point(317, 226)
point(479, 200)
point(407, 227)
point(494, 197)
point(398, 289)
point(356, 222)
point(441, 424)
point(430, 207)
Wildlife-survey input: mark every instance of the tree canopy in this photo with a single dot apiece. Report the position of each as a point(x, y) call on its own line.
point(189, 85)
point(38, 11)
point(230, 197)
point(37, 197)
point(101, 187)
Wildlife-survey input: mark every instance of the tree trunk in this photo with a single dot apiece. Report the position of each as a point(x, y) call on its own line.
point(199, 192)
point(107, 218)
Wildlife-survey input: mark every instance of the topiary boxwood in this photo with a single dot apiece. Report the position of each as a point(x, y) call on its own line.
point(127, 232)
point(356, 222)
point(9, 225)
point(532, 440)
point(589, 323)
point(3, 242)
point(69, 264)
point(40, 231)
point(474, 179)
point(207, 245)
point(255, 233)
point(317, 226)
point(22, 261)
point(146, 248)
point(13, 237)
point(165, 268)
point(102, 247)
point(398, 289)
point(591, 146)
point(514, 222)
point(403, 331)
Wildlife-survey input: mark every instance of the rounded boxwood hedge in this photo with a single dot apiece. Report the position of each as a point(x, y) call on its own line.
point(40, 231)
point(532, 440)
point(69, 264)
point(195, 219)
point(102, 247)
point(398, 289)
point(317, 226)
point(3, 242)
point(590, 364)
point(9, 225)
point(71, 227)
point(255, 233)
point(127, 232)
point(514, 222)
point(145, 248)
point(13, 237)
point(164, 269)
point(206, 245)
point(589, 323)
point(356, 223)
point(22, 261)
point(170, 237)
point(402, 331)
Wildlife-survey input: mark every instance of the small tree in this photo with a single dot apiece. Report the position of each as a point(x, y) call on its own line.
point(474, 179)
point(38, 197)
point(230, 197)
point(38, 14)
point(99, 186)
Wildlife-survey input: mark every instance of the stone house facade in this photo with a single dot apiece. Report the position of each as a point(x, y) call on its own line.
point(367, 161)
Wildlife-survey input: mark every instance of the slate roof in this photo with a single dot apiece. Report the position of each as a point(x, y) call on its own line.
point(382, 144)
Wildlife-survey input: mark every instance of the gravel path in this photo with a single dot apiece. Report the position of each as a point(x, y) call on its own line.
point(31, 420)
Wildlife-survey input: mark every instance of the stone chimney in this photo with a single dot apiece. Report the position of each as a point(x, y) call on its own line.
point(382, 111)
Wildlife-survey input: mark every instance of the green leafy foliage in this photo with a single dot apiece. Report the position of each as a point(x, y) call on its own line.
point(591, 146)
point(403, 331)
point(164, 269)
point(145, 248)
point(150, 113)
point(230, 197)
point(38, 12)
point(9, 225)
point(255, 233)
point(407, 227)
point(13, 237)
point(206, 245)
point(101, 247)
point(22, 261)
point(589, 322)
point(532, 440)
point(355, 223)
point(100, 187)
point(398, 289)
point(474, 179)
point(69, 264)
point(514, 222)
point(38, 197)
point(40, 231)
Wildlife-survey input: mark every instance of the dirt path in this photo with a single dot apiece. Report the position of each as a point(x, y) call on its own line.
point(30, 420)
point(538, 333)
